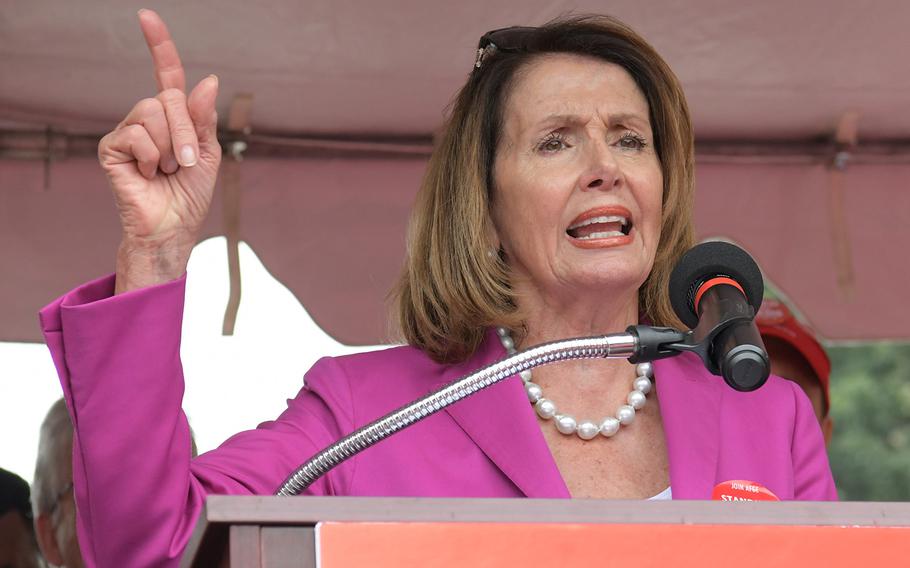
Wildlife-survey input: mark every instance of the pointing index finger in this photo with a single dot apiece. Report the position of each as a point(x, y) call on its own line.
point(168, 68)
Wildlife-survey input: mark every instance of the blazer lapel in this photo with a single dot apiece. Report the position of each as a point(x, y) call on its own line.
point(689, 399)
point(501, 421)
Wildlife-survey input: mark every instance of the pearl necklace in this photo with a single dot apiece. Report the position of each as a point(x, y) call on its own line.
point(586, 429)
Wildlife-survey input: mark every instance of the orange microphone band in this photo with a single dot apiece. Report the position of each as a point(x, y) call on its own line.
point(714, 282)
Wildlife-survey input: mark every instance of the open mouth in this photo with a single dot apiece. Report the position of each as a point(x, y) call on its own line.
point(600, 227)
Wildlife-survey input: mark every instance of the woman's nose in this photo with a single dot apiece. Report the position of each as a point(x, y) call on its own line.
point(602, 171)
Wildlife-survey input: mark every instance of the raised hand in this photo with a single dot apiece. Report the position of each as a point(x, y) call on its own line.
point(162, 162)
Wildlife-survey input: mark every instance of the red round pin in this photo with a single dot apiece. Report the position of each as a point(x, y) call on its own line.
point(742, 490)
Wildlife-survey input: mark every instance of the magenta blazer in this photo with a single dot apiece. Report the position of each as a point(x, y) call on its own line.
point(139, 493)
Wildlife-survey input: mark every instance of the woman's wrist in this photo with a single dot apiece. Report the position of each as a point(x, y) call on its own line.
point(143, 264)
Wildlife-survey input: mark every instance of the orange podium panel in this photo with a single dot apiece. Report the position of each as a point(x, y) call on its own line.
point(341, 532)
point(445, 545)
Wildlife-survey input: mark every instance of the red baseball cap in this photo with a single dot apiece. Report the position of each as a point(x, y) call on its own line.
point(776, 320)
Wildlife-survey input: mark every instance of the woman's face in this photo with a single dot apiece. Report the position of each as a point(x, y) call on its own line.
point(578, 185)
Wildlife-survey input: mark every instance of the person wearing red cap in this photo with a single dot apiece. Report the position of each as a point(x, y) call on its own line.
point(797, 355)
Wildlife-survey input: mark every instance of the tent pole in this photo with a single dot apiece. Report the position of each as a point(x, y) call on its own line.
point(238, 128)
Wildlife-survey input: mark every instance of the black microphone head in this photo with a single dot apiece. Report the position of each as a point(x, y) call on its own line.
point(708, 260)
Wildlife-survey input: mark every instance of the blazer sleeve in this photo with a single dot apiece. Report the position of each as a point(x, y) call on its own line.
point(138, 493)
point(812, 478)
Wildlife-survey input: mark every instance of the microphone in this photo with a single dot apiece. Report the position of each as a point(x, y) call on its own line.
point(716, 289)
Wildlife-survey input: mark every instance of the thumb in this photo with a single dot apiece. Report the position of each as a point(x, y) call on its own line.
point(201, 104)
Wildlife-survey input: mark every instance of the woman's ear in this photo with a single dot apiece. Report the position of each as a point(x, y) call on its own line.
point(47, 541)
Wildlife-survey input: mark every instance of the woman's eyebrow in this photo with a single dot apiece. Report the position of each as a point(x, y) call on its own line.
point(550, 121)
point(562, 118)
point(629, 118)
point(612, 119)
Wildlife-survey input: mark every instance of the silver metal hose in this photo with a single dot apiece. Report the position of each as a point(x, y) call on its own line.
point(618, 345)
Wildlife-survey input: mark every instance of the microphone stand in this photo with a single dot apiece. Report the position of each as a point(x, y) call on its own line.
point(638, 344)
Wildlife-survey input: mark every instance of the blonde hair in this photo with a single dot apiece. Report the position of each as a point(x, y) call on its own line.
point(451, 288)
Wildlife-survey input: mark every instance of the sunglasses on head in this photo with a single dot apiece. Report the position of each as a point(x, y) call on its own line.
point(513, 39)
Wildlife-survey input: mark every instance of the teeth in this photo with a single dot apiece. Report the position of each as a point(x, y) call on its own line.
point(601, 219)
point(603, 235)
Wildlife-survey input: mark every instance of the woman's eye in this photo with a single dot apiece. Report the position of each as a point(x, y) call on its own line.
point(552, 144)
point(632, 142)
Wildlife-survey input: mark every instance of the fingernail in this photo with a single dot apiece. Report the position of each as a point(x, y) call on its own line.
point(188, 156)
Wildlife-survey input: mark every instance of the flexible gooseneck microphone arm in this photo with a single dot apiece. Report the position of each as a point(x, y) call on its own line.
point(724, 337)
point(639, 344)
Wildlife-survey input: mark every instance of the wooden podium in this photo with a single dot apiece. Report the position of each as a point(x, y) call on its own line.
point(341, 532)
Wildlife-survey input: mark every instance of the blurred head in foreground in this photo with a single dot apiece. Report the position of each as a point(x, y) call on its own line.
point(52, 495)
point(17, 540)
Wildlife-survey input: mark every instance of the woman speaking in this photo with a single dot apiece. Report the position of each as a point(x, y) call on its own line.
point(555, 205)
